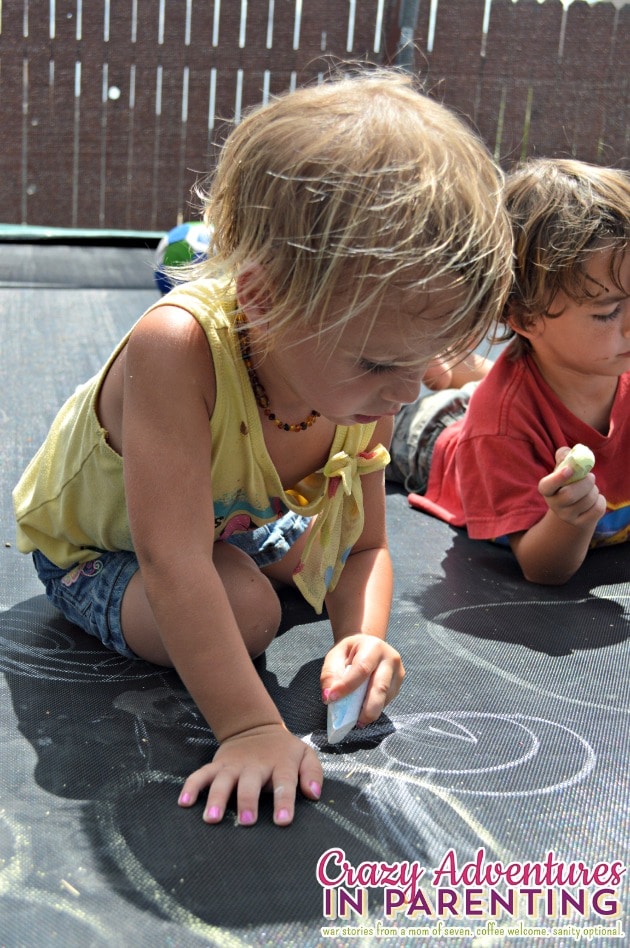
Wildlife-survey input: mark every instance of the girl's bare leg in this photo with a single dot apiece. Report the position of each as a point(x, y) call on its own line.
point(254, 602)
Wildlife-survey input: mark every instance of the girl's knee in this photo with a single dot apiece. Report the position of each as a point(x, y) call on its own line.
point(254, 601)
point(259, 615)
point(258, 612)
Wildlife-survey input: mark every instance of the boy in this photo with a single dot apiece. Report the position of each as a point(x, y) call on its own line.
point(489, 461)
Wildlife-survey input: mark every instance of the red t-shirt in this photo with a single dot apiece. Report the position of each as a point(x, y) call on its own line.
point(486, 467)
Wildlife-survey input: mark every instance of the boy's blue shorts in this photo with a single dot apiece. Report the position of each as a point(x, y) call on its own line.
point(90, 594)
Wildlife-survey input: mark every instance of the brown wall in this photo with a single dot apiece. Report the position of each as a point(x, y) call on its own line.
point(542, 80)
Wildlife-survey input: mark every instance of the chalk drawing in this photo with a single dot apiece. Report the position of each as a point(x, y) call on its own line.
point(54, 653)
point(414, 776)
point(459, 646)
point(17, 869)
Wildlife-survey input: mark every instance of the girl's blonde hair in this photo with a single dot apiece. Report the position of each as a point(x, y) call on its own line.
point(562, 211)
point(351, 187)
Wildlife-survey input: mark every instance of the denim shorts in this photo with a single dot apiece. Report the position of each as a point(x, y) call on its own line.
point(90, 594)
point(417, 427)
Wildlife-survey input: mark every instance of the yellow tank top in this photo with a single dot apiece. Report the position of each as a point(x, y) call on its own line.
point(70, 501)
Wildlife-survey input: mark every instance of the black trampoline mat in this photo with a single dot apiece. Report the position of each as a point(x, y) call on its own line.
point(508, 742)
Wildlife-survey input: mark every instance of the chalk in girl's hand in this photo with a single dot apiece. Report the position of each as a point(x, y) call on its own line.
point(580, 459)
point(343, 714)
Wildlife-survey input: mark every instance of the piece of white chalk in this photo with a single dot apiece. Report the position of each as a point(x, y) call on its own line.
point(580, 459)
point(343, 714)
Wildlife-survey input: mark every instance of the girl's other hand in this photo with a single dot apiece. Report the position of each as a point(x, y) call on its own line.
point(355, 659)
point(267, 757)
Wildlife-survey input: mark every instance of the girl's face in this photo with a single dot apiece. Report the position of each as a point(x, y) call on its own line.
point(363, 373)
point(590, 337)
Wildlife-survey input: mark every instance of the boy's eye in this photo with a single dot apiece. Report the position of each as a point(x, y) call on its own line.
point(376, 368)
point(604, 317)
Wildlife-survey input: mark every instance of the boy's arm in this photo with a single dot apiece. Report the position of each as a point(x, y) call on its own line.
point(359, 608)
point(553, 549)
point(169, 397)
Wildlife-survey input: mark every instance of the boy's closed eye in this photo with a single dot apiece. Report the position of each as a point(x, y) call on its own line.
point(606, 317)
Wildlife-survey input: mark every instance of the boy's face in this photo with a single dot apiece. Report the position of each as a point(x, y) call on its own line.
point(590, 337)
point(359, 375)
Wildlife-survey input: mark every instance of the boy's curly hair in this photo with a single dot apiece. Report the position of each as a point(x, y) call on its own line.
point(562, 211)
point(349, 187)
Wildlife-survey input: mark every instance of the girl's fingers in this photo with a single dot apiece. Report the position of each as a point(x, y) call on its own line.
point(220, 792)
point(194, 784)
point(249, 777)
point(311, 775)
point(284, 784)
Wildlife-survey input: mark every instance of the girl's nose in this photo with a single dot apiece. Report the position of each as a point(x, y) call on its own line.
point(406, 388)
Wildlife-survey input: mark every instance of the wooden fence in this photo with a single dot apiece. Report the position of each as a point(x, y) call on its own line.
point(111, 109)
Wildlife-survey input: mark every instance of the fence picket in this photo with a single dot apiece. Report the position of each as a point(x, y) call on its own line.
point(112, 111)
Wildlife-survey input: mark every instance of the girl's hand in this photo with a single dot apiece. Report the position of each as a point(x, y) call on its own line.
point(356, 658)
point(264, 757)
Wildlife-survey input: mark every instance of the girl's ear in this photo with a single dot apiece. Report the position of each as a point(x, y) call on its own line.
point(253, 293)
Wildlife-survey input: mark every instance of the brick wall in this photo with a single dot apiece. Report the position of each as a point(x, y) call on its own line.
point(111, 111)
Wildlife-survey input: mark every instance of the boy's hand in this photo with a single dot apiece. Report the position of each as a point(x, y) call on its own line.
point(355, 659)
point(265, 757)
point(575, 502)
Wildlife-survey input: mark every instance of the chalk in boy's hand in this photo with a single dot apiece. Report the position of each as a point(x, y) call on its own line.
point(580, 459)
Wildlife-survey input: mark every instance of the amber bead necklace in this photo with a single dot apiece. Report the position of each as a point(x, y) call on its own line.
point(259, 389)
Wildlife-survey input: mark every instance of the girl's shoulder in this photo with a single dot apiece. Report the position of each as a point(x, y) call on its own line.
point(211, 302)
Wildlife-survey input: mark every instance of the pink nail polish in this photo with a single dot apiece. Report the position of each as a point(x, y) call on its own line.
point(246, 818)
point(184, 799)
point(283, 816)
point(213, 813)
point(315, 789)
point(325, 694)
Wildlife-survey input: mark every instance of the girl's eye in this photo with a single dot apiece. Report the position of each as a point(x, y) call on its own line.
point(377, 368)
point(605, 317)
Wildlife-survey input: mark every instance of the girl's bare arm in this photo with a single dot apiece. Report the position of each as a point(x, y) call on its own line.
point(359, 608)
point(169, 396)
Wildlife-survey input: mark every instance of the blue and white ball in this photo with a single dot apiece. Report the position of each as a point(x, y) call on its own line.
point(187, 243)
